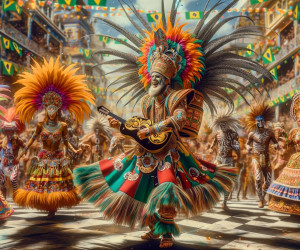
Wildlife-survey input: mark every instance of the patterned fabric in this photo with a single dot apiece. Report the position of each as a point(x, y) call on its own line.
point(50, 174)
point(285, 190)
point(5, 209)
point(50, 185)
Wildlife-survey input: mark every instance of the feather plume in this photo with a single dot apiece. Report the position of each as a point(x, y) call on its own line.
point(100, 122)
point(224, 115)
point(52, 76)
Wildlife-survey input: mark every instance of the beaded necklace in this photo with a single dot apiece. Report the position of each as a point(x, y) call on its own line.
point(52, 126)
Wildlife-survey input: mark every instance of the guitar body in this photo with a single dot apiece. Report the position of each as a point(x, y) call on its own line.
point(154, 143)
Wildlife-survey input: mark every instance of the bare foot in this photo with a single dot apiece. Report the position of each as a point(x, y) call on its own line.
point(245, 198)
point(261, 204)
point(166, 241)
point(51, 214)
point(150, 236)
point(225, 207)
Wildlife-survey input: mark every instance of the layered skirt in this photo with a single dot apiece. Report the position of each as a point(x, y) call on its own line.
point(5, 209)
point(50, 185)
point(129, 189)
point(285, 190)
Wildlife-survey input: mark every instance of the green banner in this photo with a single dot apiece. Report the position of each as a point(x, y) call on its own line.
point(155, 17)
point(194, 15)
point(7, 68)
point(268, 56)
point(87, 53)
point(67, 2)
point(97, 2)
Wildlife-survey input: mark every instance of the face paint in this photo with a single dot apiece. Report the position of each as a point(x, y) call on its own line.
point(260, 123)
point(223, 126)
point(157, 84)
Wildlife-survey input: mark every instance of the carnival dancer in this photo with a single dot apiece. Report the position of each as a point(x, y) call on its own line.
point(179, 71)
point(98, 137)
point(285, 190)
point(258, 143)
point(5, 208)
point(11, 127)
point(53, 88)
point(225, 127)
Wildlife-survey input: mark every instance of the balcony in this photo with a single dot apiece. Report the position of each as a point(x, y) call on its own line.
point(286, 50)
point(12, 33)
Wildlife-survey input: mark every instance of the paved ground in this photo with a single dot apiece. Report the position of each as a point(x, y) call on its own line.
point(82, 227)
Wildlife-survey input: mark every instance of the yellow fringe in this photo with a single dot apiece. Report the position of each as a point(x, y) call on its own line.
point(45, 201)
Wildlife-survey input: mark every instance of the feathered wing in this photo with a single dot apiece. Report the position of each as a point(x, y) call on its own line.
point(221, 64)
point(52, 76)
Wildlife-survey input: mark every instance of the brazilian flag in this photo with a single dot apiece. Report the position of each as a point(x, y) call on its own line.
point(6, 43)
point(257, 1)
point(17, 48)
point(296, 14)
point(155, 17)
point(67, 2)
point(274, 73)
point(97, 2)
point(193, 15)
point(268, 56)
point(87, 53)
point(7, 68)
point(249, 53)
point(11, 5)
point(104, 39)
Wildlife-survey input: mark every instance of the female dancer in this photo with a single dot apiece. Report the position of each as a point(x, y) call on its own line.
point(53, 88)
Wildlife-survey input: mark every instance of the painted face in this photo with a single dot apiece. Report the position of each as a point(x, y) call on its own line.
point(260, 123)
point(52, 116)
point(157, 84)
point(9, 128)
point(223, 126)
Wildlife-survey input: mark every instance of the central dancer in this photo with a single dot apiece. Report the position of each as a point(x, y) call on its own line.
point(173, 72)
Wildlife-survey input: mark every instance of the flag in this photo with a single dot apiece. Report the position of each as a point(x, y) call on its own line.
point(296, 12)
point(17, 48)
point(6, 43)
point(268, 56)
point(193, 15)
point(7, 68)
point(249, 53)
point(123, 39)
point(257, 1)
point(9, 5)
point(87, 53)
point(154, 17)
point(97, 2)
point(67, 2)
point(274, 73)
point(104, 39)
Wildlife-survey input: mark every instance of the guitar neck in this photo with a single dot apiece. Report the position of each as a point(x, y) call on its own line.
point(117, 117)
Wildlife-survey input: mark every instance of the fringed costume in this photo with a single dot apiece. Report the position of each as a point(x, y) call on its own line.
point(258, 143)
point(5, 209)
point(98, 137)
point(11, 127)
point(226, 138)
point(53, 88)
point(285, 190)
point(180, 71)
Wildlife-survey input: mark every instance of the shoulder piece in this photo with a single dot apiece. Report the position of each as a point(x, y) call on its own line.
point(146, 105)
point(194, 110)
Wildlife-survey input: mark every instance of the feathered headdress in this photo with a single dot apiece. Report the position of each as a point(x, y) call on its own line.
point(204, 65)
point(53, 87)
point(10, 116)
point(99, 122)
point(3, 97)
point(295, 107)
point(258, 109)
point(224, 115)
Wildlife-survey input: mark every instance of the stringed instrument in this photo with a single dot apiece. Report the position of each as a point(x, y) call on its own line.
point(130, 128)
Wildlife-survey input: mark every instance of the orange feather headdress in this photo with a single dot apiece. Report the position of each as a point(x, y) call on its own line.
point(258, 109)
point(10, 116)
point(53, 87)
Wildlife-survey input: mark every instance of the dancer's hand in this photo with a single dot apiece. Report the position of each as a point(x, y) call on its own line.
point(143, 133)
point(20, 156)
point(114, 123)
